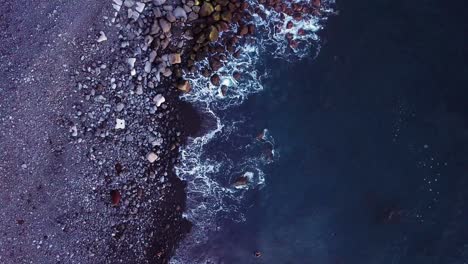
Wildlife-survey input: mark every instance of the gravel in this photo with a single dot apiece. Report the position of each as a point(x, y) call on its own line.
point(86, 167)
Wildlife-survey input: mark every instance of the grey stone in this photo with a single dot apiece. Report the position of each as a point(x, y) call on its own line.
point(159, 2)
point(165, 25)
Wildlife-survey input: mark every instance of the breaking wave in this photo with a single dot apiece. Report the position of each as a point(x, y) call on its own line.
point(225, 164)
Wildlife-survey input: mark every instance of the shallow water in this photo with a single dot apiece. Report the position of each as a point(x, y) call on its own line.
point(371, 146)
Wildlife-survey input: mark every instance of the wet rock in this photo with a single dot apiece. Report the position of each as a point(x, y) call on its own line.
point(184, 86)
point(251, 29)
point(236, 75)
point(214, 34)
point(224, 90)
point(223, 26)
point(215, 64)
point(206, 9)
point(222, 2)
point(242, 181)
point(216, 16)
point(244, 30)
point(226, 16)
point(215, 80)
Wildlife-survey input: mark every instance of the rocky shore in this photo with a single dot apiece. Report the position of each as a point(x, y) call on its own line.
point(132, 108)
point(108, 90)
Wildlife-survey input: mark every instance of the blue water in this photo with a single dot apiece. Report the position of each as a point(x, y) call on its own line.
point(372, 137)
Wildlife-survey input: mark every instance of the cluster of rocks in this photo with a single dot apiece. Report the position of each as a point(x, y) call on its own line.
point(220, 28)
point(297, 10)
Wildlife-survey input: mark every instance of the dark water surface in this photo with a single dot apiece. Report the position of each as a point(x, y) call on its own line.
point(373, 138)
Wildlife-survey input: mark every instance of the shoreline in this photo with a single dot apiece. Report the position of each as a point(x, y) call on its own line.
point(109, 91)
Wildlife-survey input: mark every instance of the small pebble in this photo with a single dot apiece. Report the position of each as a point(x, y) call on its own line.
point(152, 157)
point(119, 124)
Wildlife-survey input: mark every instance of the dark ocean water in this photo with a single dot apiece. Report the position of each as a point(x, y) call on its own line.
point(373, 143)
